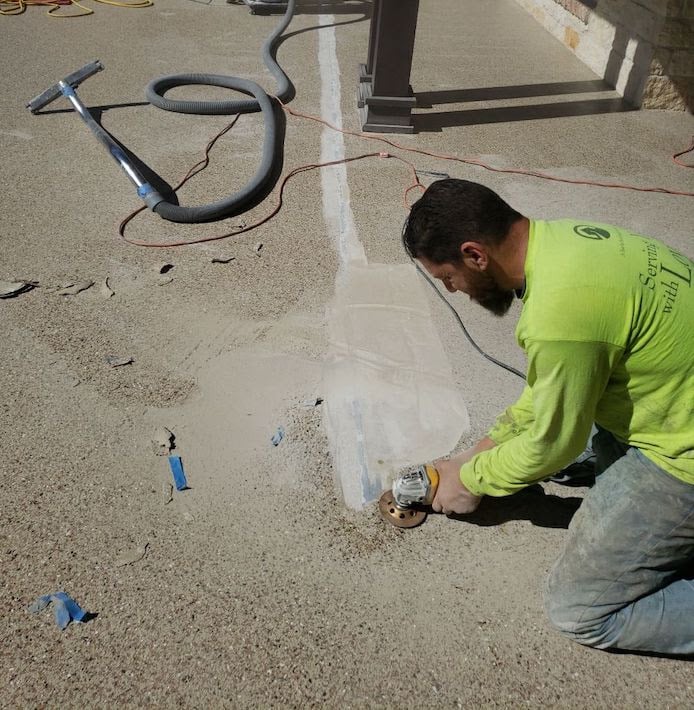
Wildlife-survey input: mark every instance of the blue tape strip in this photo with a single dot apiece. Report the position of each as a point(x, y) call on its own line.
point(177, 470)
point(65, 608)
point(60, 613)
point(76, 612)
point(144, 190)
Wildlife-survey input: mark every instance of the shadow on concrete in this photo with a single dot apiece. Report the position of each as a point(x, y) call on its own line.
point(532, 504)
point(164, 188)
point(432, 122)
point(154, 179)
point(313, 28)
point(429, 99)
point(333, 7)
point(96, 111)
point(147, 173)
point(314, 7)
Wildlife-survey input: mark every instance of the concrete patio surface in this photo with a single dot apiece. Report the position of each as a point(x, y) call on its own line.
point(259, 586)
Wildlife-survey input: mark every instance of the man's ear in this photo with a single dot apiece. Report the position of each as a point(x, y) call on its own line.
point(474, 255)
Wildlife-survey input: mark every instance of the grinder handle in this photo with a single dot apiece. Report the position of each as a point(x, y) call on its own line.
point(433, 476)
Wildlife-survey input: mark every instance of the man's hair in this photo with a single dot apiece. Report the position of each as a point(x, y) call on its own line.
point(452, 212)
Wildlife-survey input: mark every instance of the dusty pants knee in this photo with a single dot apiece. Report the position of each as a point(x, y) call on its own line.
point(621, 580)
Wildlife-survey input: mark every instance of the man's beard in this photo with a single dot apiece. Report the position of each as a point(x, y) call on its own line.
point(490, 296)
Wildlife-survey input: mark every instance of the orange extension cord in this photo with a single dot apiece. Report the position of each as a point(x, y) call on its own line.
point(377, 154)
point(684, 152)
point(17, 7)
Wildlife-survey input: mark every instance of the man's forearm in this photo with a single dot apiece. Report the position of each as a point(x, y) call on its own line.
point(484, 444)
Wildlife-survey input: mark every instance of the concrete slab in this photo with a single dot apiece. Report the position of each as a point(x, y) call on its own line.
point(259, 587)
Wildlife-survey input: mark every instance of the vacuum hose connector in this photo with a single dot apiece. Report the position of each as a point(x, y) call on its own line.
point(260, 101)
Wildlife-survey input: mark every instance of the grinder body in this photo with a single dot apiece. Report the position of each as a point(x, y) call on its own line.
point(405, 506)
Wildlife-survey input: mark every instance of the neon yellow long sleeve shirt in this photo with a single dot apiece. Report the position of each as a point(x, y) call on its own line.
point(608, 328)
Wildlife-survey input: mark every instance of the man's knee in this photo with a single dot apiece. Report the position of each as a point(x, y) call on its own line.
point(572, 616)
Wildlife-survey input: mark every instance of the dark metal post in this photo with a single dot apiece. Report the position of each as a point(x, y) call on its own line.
point(385, 97)
point(366, 69)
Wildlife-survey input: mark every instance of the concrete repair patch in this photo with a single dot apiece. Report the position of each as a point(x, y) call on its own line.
point(390, 396)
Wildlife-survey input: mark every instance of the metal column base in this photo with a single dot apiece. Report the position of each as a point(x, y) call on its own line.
point(266, 7)
point(383, 114)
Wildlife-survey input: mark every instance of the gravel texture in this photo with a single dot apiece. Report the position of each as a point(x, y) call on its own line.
point(258, 588)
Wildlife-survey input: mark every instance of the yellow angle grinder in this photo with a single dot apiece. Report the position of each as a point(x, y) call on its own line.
point(408, 503)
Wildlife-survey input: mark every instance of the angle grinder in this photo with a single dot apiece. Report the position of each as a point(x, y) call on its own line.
point(408, 503)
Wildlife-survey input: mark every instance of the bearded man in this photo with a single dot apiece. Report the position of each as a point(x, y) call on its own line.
point(607, 325)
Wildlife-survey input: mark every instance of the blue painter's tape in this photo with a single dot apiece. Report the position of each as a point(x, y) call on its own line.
point(65, 608)
point(177, 471)
point(74, 609)
point(68, 91)
point(60, 613)
point(145, 189)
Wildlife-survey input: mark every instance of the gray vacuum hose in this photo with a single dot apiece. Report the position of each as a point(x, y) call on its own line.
point(261, 101)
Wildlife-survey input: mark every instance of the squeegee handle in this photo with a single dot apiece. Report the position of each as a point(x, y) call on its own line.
point(149, 195)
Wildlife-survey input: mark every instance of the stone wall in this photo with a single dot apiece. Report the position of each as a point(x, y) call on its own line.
point(643, 48)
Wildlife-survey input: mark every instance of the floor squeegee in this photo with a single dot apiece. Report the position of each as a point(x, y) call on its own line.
point(66, 87)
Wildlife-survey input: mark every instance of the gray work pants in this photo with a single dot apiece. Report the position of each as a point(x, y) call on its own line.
point(625, 579)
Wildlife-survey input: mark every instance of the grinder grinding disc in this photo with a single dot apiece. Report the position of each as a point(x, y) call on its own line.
point(400, 517)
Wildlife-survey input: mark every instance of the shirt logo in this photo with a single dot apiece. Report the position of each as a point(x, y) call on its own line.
point(589, 232)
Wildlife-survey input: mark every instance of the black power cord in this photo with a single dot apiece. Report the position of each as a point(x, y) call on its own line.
point(455, 313)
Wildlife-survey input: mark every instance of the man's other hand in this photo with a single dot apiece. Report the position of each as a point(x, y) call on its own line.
point(451, 495)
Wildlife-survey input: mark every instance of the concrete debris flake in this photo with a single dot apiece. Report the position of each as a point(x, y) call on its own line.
point(167, 492)
point(277, 436)
point(128, 558)
point(106, 291)
point(257, 248)
point(223, 259)
point(311, 403)
point(117, 361)
point(163, 440)
point(165, 268)
point(9, 289)
point(74, 288)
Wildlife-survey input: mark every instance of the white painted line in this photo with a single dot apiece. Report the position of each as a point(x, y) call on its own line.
point(336, 199)
point(339, 220)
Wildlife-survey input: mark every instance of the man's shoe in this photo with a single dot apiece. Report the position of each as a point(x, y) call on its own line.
point(576, 475)
point(579, 473)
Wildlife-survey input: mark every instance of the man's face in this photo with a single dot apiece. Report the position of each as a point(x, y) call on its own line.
point(478, 285)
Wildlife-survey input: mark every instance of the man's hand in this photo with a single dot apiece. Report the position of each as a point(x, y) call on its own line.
point(451, 495)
